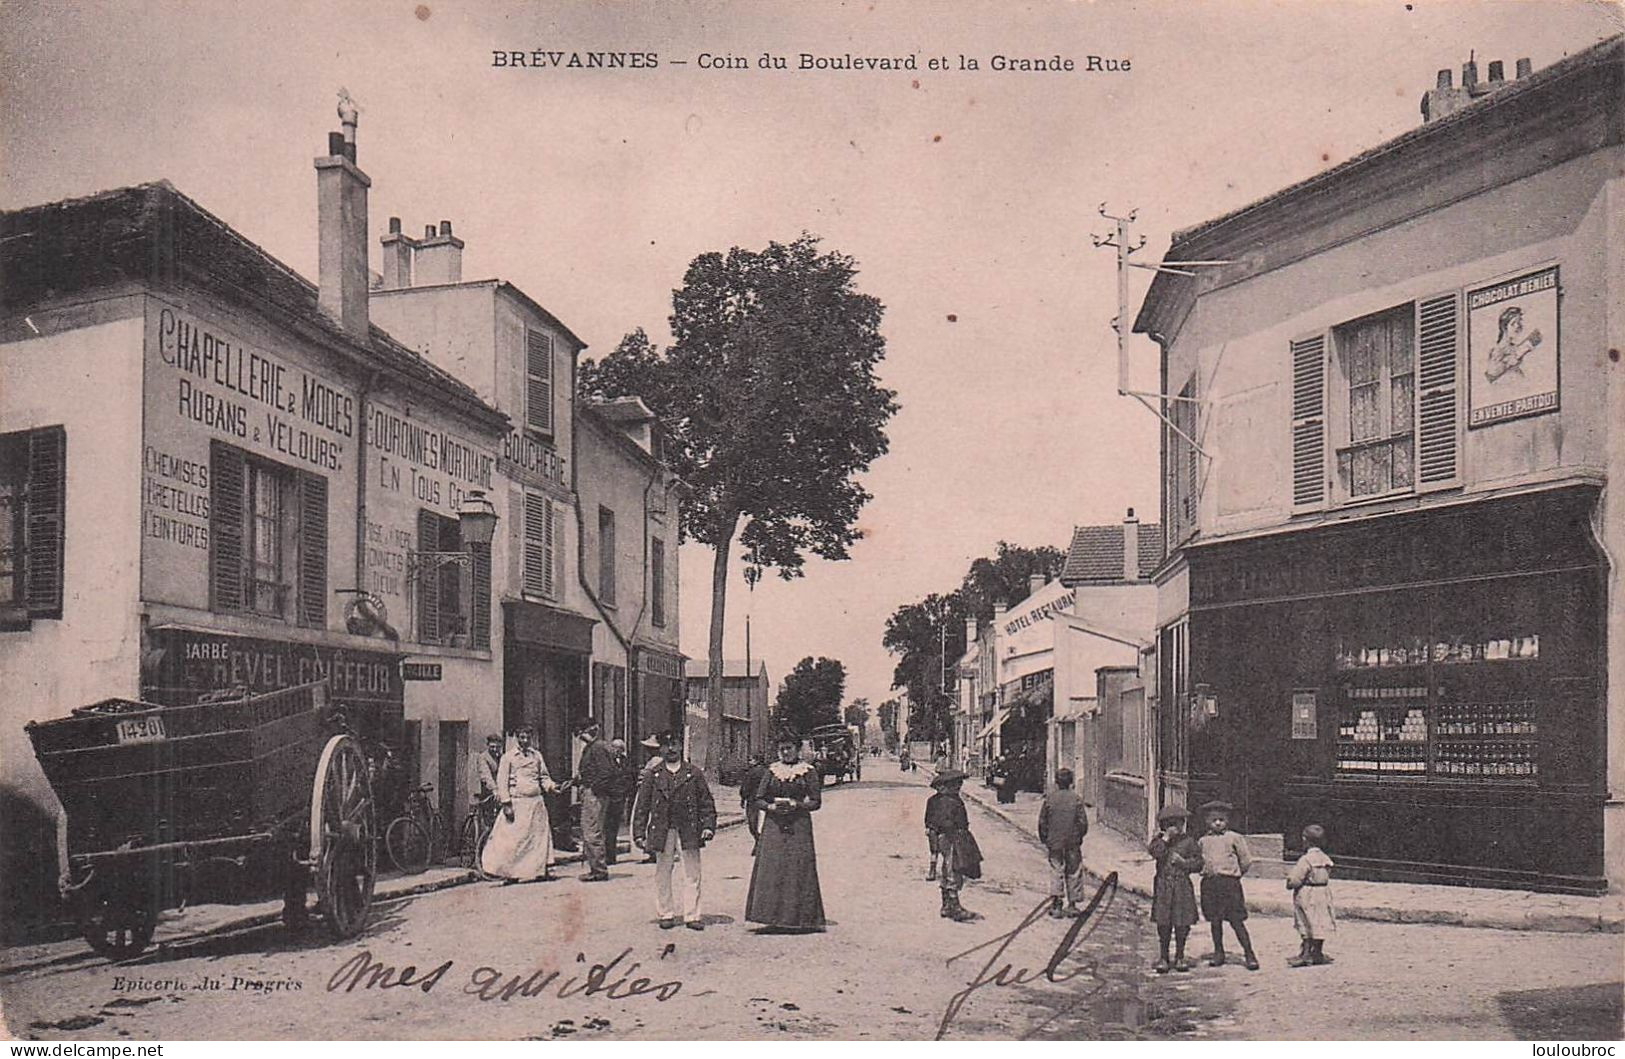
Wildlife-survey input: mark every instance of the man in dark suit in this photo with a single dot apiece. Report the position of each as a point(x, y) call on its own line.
point(598, 778)
point(674, 818)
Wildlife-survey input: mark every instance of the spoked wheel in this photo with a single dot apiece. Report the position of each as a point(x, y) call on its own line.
point(343, 840)
point(471, 843)
point(117, 923)
point(408, 844)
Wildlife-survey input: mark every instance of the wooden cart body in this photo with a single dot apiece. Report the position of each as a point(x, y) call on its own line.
point(835, 752)
point(152, 793)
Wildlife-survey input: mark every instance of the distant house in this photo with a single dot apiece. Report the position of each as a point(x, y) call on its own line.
point(746, 700)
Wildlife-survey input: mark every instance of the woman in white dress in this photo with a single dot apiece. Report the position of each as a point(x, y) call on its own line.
point(521, 844)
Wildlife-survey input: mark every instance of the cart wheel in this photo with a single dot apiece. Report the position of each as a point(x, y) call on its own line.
point(342, 837)
point(116, 924)
point(408, 844)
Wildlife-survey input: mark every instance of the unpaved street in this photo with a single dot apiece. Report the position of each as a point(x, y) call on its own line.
point(881, 971)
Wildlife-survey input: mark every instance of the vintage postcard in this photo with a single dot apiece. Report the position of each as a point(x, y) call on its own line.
point(753, 521)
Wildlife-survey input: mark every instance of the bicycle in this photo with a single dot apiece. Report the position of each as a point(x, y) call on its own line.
point(416, 837)
point(476, 829)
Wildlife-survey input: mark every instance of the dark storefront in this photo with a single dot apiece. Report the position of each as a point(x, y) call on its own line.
point(547, 654)
point(181, 666)
point(660, 692)
point(1429, 686)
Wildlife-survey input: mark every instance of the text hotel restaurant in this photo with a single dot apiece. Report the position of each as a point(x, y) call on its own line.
point(288, 498)
point(1392, 602)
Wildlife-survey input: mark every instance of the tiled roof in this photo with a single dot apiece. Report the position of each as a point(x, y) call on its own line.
point(1096, 553)
point(731, 668)
point(153, 234)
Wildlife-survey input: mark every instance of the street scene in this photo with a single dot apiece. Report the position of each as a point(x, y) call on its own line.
point(887, 967)
point(738, 521)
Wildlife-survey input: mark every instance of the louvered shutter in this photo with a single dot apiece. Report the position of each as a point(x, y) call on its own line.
point(313, 550)
point(556, 548)
point(1438, 413)
point(227, 474)
point(1309, 423)
point(428, 578)
point(480, 620)
point(539, 381)
point(45, 508)
point(538, 566)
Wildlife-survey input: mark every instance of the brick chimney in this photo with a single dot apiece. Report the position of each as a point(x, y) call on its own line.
point(1131, 547)
point(1035, 582)
point(398, 249)
point(438, 258)
point(970, 632)
point(1444, 98)
point(341, 219)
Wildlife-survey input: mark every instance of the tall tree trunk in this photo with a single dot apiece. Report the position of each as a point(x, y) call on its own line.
point(719, 604)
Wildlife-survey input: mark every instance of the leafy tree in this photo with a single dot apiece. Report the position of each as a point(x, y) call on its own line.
point(1003, 578)
point(811, 694)
point(857, 713)
point(886, 712)
point(770, 407)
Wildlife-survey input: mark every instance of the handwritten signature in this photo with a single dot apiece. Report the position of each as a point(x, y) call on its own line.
point(606, 978)
point(1008, 974)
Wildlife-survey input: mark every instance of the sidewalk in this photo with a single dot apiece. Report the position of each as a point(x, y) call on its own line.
point(200, 920)
point(1106, 850)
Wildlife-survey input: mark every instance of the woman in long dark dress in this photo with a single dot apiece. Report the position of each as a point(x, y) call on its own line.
point(784, 891)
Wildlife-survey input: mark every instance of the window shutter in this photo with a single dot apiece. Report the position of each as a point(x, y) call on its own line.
point(313, 550)
point(1309, 423)
point(428, 578)
point(539, 381)
point(538, 566)
point(227, 474)
point(555, 547)
point(1438, 417)
point(45, 507)
point(480, 621)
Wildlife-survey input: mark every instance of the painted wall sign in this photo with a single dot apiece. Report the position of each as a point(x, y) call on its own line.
point(1044, 612)
point(1512, 349)
point(420, 670)
point(524, 459)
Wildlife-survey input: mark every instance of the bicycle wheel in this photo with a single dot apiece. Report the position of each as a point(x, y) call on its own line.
point(407, 842)
point(471, 843)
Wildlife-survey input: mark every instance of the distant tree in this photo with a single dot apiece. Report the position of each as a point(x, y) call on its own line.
point(811, 694)
point(1003, 578)
point(769, 406)
point(886, 714)
point(929, 638)
point(857, 714)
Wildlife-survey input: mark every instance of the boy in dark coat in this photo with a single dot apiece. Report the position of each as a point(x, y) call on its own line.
point(948, 826)
point(1173, 899)
point(1062, 823)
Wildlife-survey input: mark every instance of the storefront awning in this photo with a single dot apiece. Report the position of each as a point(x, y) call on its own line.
point(994, 725)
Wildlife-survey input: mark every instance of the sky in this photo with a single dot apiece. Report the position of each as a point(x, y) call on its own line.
point(967, 197)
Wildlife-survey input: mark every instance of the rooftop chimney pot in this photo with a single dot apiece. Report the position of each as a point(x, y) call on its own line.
point(1445, 80)
point(1525, 68)
point(394, 226)
point(341, 213)
point(445, 227)
point(1497, 71)
point(1469, 74)
point(335, 144)
point(428, 231)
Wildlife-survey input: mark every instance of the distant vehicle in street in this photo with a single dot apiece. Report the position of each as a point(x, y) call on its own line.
point(835, 752)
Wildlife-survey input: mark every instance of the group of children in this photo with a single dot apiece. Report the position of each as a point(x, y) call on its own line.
point(1220, 856)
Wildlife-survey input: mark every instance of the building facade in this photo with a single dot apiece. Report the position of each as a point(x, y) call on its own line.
point(220, 478)
point(747, 704)
point(1389, 605)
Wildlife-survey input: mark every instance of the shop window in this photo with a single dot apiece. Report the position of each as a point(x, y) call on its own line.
point(267, 538)
point(657, 582)
point(606, 555)
point(539, 381)
point(33, 495)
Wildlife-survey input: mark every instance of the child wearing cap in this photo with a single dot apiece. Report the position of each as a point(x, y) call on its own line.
point(1173, 898)
point(957, 855)
point(1225, 859)
point(1310, 881)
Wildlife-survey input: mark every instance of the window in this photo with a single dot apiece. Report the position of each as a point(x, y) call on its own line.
point(544, 547)
point(539, 381)
point(1378, 369)
point(267, 538)
point(33, 493)
point(606, 555)
point(657, 582)
point(453, 598)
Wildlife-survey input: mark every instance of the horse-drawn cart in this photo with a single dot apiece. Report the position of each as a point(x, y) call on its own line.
point(153, 794)
point(835, 752)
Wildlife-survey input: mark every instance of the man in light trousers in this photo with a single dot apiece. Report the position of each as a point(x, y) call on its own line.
point(675, 817)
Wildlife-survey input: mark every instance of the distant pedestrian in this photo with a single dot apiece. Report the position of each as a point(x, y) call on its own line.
point(1062, 823)
point(784, 892)
point(1173, 899)
point(958, 856)
point(599, 780)
point(675, 817)
point(748, 783)
point(626, 785)
point(1004, 780)
point(1225, 859)
point(1310, 881)
point(903, 762)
